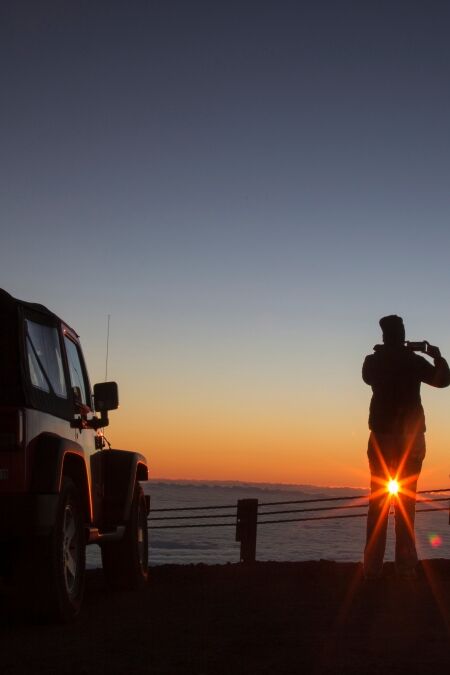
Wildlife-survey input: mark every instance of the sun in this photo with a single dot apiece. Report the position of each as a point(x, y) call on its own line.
point(393, 487)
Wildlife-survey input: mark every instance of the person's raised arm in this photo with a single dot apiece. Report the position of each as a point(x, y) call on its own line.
point(437, 375)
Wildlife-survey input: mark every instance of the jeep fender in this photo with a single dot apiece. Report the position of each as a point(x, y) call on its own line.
point(114, 476)
point(53, 457)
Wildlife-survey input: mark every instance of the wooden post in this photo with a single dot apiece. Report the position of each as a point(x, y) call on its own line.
point(246, 522)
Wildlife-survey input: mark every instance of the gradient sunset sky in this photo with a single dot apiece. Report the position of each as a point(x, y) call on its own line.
point(246, 188)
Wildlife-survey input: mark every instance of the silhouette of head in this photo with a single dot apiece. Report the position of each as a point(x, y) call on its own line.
point(393, 330)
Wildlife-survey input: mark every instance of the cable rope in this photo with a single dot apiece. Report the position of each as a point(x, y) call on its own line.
point(285, 520)
point(296, 501)
point(271, 513)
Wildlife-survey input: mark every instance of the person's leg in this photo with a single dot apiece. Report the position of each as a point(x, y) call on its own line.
point(405, 506)
point(405, 545)
point(377, 522)
point(377, 517)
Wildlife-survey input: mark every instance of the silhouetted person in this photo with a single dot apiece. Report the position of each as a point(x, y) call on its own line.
point(396, 446)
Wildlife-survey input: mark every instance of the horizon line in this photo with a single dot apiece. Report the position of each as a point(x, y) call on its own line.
point(254, 482)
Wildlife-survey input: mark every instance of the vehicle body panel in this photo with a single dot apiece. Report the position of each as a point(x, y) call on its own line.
point(48, 428)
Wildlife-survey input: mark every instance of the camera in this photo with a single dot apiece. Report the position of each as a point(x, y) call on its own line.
point(417, 346)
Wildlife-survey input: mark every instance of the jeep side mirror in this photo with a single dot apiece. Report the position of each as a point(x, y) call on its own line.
point(106, 396)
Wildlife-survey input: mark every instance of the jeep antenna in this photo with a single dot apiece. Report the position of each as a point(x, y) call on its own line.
point(107, 349)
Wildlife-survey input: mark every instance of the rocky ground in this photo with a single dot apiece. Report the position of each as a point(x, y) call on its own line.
point(306, 617)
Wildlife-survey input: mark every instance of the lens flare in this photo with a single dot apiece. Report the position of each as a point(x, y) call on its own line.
point(392, 487)
point(435, 539)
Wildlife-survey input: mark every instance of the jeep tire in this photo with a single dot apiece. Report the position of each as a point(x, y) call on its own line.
point(125, 562)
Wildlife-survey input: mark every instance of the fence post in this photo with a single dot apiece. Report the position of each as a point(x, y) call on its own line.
point(246, 522)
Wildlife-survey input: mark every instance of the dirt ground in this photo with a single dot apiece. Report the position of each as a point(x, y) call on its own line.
point(307, 617)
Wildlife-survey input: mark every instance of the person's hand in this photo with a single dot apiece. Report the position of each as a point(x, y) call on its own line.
point(433, 351)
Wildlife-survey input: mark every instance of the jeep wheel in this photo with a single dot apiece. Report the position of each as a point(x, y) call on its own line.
point(125, 562)
point(59, 562)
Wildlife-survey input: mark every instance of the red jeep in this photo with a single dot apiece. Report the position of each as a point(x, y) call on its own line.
point(60, 488)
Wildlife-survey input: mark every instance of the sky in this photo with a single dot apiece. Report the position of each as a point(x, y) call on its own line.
point(245, 188)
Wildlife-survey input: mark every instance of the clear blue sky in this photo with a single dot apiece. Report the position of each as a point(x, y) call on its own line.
point(245, 187)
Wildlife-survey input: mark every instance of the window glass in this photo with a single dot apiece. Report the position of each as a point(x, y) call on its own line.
point(76, 370)
point(44, 359)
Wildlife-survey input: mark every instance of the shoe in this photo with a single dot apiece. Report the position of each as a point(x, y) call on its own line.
point(372, 576)
point(407, 573)
point(372, 579)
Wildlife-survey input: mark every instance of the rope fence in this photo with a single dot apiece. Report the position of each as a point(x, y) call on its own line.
point(246, 513)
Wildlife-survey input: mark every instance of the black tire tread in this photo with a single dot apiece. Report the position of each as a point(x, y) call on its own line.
point(121, 565)
point(42, 593)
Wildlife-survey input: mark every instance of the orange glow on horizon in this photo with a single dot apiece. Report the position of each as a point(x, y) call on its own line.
point(203, 445)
